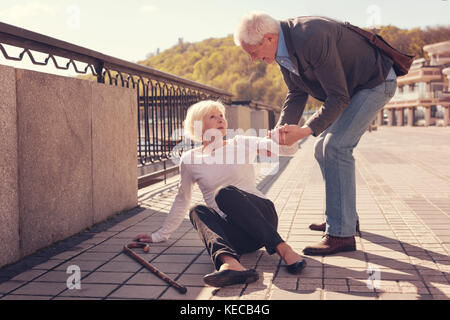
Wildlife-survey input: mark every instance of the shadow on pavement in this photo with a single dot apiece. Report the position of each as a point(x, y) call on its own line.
point(69, 244)
point(422, 281)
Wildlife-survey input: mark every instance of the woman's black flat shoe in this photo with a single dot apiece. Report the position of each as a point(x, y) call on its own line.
point(296, 267)
point(230, 277)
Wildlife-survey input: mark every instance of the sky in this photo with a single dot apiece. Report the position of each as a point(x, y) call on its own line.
point(132, 29)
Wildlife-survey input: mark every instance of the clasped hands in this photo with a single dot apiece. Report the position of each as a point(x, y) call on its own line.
point(288, 134)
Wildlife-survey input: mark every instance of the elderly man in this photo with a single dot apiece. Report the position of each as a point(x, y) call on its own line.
point(321, 57)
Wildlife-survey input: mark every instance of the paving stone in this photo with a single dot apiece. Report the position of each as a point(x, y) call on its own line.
point(174, 267)
point(392, 274)
point(175, 258)
point(107, 277)
point(90, 291)
point(362, 289)
point(41, 288)
point(295, 295)
point(440, 297)
point(401, 296)
point(55, 276)
point(254, 294)
point(85, 266)
point(96, 256)
point(413, 289)
point(8, 286)
point(194, 280)
point(344, 262)
point(227, 293)
point(382, 286)
point(121, 266)
point(146, 277)
point(284, 284)
point(200, 269)
point(349, 273)
point(330, 295)
point(307, 272)
point(204, 258)
point(49, 264)
point(28, 275)
point(184, 250)
point(138, 292)
point(336, 288)
point(127, 258)
point(111, 248)
point(193, 293)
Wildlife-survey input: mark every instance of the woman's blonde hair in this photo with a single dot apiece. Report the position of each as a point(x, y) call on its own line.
point(195, 115)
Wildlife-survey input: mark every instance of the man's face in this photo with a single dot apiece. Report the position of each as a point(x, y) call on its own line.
point(265, 51)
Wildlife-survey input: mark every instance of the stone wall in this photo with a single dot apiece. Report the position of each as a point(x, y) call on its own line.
point(68, 157)
point(238, 117)
point(9, 197)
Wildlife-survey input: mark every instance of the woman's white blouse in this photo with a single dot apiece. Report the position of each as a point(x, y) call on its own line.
point(230, 164)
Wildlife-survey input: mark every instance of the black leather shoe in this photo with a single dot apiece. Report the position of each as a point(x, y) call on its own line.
point(230, 277)
point(296, 267)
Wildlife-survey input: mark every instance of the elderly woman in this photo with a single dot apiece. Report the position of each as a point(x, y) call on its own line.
point(237, 218)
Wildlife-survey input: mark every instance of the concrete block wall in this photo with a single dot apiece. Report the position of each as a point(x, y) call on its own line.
point(238, 117)
point(9, 197)
point(259, 119)
point(243, 117)
point(68, 157)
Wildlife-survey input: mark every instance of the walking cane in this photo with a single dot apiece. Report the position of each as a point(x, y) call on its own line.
point(138, 258)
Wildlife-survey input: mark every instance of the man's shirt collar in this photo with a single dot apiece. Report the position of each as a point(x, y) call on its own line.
point(282, 55)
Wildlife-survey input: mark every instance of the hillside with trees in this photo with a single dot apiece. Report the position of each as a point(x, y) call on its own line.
point(220, 63)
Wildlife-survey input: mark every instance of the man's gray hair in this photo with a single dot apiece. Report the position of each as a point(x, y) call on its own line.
point(252, 27)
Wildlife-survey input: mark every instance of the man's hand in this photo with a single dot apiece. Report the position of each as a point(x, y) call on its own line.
point(289, 134)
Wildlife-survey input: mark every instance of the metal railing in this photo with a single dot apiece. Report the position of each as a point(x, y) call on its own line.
point(162, 98)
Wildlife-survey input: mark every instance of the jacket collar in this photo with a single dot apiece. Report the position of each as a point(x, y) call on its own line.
point(288, 39)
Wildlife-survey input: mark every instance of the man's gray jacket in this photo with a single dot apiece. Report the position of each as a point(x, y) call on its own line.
point(333, 62)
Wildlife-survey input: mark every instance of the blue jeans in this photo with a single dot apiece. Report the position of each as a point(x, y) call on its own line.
point(334, 153)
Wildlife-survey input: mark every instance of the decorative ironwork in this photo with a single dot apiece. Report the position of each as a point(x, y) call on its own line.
point(162, 98)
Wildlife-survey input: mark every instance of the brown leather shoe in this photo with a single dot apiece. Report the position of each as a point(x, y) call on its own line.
point(331, 245)
point(322, 226)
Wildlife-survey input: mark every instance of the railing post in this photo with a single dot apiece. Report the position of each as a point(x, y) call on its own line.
point(99, 71)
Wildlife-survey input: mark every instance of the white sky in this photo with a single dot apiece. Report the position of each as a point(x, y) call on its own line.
point(131, 29)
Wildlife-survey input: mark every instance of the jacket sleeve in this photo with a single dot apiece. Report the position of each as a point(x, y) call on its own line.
point(322, 55)
point(179, 207)
point(294, 103)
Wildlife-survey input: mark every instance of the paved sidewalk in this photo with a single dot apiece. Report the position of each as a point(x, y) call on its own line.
point(403, 192)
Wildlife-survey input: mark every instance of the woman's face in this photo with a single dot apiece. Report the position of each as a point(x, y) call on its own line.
point(215, 120)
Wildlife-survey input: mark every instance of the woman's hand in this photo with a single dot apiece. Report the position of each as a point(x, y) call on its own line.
point(143, 237)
